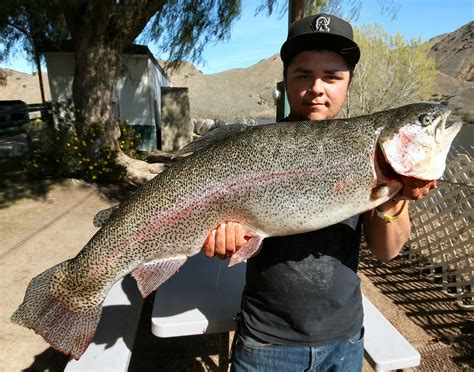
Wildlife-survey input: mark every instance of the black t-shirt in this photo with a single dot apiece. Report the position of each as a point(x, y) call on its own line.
point(303, 289)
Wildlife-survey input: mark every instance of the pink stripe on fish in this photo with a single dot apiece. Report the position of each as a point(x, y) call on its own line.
point(168, 218)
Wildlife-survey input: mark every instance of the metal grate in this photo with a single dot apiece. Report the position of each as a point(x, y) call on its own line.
point(438, 357)
point(441, 243)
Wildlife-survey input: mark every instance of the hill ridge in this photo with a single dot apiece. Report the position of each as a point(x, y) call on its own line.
point(247, 92)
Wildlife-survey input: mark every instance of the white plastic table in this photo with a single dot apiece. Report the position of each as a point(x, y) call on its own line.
point(203, 297)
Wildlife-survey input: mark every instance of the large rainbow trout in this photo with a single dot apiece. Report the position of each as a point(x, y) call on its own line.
point(277, 179)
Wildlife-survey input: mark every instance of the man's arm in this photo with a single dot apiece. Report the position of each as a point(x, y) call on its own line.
point(385, 239)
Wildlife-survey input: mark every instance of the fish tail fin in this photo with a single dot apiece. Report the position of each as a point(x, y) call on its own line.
point(66, 330)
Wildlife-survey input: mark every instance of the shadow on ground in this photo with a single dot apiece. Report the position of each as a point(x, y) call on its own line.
point(16, 184)
point(429, 307)
point(49, 360)
point(190, 353)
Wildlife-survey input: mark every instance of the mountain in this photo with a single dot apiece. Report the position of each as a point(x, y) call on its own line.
point(454, 53)
point(247, 92)
point(24, 87)
point(236, 93)
point(454, 56)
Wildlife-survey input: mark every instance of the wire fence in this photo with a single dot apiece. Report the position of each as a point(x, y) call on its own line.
point(441, 242)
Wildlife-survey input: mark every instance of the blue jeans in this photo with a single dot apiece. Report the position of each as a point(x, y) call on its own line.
point(252, 354)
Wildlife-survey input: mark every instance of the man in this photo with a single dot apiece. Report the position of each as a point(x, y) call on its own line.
point(302, 309)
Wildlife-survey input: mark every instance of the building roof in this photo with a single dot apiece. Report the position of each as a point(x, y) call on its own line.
point(133, 49)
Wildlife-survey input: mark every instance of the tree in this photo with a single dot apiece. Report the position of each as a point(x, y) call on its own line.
point(29, 24)
point(349, 9)
point(392, 72)
point(3, 78)
point(101, 30)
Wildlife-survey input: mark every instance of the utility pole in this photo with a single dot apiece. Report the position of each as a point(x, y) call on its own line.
point(295, 13)
point(40, 74)
point(295, 10)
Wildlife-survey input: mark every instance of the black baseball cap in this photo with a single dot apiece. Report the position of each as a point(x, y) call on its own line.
point(320, 31)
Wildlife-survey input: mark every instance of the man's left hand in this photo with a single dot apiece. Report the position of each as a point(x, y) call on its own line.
point(414, 188)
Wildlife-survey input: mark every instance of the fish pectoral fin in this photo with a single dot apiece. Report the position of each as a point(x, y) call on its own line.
point(249, 249)
point(151, 275)
point(101, 218)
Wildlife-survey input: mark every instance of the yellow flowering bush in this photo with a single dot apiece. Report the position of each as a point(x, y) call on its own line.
point(128, 140)
point(58, 151)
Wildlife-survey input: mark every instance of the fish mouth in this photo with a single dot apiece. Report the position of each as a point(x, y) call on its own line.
point(384, 172)
point(445, 131)
point(384, 176)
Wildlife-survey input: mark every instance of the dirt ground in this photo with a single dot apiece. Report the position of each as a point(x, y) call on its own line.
point(43, 223)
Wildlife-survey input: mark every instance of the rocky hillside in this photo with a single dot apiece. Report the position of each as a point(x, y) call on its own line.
point(236, 93)
point(24, 87)
point(247, 92)
point(454, 55)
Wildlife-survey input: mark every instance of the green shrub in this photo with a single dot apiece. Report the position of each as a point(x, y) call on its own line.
point(467, 117)
point(128, 140)
point(58, 152)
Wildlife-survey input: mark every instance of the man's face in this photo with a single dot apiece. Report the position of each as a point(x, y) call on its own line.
point(316, 83)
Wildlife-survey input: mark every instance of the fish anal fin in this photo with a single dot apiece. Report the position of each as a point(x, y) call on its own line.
point(249, 249)
point(151, 275)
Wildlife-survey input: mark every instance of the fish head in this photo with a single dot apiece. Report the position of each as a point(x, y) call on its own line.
point(415, 140)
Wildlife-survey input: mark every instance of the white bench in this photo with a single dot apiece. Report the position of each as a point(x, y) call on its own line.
point(204, 298)
point(385, 348)
point(111, 348)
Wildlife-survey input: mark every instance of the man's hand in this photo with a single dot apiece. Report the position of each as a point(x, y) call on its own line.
point(383, 238)
point(414, 188)
point(225, 240)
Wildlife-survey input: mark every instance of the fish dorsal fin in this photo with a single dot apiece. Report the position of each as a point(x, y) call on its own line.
point(101, 218)
point(151, 275)
point(211, 137)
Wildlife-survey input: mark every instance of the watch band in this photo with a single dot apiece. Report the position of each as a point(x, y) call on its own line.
point(388, 218)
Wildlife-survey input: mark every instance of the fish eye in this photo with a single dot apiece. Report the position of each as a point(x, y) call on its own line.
point(426, 119)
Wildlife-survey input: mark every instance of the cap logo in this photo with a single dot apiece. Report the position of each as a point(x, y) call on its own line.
point(321, 24)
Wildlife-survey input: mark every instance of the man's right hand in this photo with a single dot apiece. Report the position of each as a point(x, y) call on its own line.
point(225, 240)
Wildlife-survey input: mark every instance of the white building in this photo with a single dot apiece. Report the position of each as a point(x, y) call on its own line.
point(137, 93)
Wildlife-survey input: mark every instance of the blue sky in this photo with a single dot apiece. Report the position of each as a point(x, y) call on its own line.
point(254, 38)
